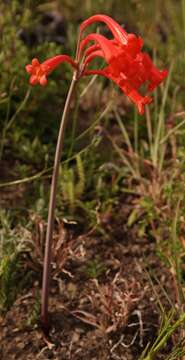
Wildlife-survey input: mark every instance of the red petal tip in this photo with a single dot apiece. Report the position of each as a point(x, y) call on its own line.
point(141, 104)
point(28, 68)
point(35, 62)
point(43, 81)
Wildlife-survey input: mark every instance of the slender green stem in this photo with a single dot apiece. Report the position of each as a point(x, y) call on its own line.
point(52, 204)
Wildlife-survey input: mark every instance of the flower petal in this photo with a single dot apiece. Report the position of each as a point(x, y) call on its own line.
point(105, 45)
point(33, 80)
point(39, 71)
point(90, 49)
point(29, 68)
point(156, 78)
point(118, 32)
point(97, 53)
point(43, 80)
point(55, 61)
point(102, 72)
point(35, 62)
point(134, 44)
point(139, 100)
point(149, 72)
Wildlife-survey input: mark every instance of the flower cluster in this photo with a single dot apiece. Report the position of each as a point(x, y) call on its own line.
point(126, 64)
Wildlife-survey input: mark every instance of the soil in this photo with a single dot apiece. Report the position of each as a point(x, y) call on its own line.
point(105, 294)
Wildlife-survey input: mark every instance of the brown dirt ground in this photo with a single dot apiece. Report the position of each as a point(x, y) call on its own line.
point(111, 317)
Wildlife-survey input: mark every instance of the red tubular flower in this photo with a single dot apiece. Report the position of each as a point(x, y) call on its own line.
point(126, 64)
point(104, 44)
point(139, 100)
point(118, 32)
point(39, 71)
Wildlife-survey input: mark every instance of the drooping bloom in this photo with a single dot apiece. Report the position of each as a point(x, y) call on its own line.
point(126, 64)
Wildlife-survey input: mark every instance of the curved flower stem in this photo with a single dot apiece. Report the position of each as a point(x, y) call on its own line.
point(51, 210)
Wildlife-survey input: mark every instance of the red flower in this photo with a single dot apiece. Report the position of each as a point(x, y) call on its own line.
point(39, 71)
point(118, 32)
point(127, 65)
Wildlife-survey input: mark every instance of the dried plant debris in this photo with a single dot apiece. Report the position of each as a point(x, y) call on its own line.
point(113, 315)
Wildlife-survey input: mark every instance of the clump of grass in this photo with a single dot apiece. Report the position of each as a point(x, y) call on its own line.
point(168, 328)
point(9, 268)
point(13, 246)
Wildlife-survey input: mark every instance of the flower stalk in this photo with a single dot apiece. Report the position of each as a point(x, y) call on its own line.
point(52, 205)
